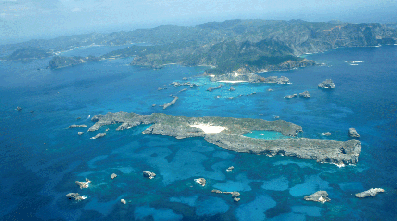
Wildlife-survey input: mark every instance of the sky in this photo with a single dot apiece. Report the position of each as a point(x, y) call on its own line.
point(21, 20)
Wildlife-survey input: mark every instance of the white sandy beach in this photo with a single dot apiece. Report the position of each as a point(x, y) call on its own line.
point(208, 129)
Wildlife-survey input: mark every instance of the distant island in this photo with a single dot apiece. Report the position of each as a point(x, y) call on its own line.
point(228, 133)
point(243, 46)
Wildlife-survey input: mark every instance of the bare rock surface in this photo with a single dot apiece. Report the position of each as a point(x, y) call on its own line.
point(149, 174)
point(320, 196)
point(327, 84)
point(98, 136)
point(353, 133)
point(370, 192)
point(83, 184)
point(200, 181)
point(230, 169)
point(76, 196)
point(166, 105)
point(74, 126)
point(304, 94)
point(113, 175)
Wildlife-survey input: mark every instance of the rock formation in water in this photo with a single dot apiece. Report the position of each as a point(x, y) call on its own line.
point(291, 96)
point(231, 138)
point(213, 88)
point(353, 133)
point(80, 133)
point(113, 175)
point(171, 103)
point(123, 201)
point(149, 174)
point(200, 181)
point(320, 196)
point(98, 136)
point(19, 108)
point(83, 184)
point(76, 196)
point(304, 94)
point(370, 192)
point(74, 126)
point(270, 89)
point(230, 169)
point(326, 134)
point(234, 194)
point(327, 84)
point(232, 89)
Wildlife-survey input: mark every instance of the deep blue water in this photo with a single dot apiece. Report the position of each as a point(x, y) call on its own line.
point(40, 159)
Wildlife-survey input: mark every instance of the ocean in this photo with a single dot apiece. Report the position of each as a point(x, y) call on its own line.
point(41, 158)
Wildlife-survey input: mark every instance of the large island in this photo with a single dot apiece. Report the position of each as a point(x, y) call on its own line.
point(228, 133)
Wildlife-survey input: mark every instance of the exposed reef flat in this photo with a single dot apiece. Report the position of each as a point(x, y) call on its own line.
point(231, 137)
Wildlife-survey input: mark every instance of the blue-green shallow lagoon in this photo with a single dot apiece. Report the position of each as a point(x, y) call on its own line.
point(40, 158)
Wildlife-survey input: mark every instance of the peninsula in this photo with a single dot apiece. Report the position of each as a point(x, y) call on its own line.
point(228, 133)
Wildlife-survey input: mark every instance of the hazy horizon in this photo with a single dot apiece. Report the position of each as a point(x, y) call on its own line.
point(23, 20)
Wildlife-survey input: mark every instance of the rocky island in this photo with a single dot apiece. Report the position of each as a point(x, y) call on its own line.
point(327, 84)
point(370, 192)
point(319, 196)
point(228, 133)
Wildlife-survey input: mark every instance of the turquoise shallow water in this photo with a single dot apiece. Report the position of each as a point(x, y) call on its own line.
point(41, 159)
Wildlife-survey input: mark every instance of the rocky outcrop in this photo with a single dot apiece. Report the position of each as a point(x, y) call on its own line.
point(76, 196)
point(230, 169)
point(213, 88)
point(370, 192)
point(83, 184)
point(291, 96)
point(177, 84)
point(320, 196)
point(123, 201)
point(328, 83)
point(326, 134)
point(80, 133)
point(153, 105)
point(200, 181)
point(19, 108)
point(75, 126)
point(323, 151)
point(98, 136)
point(166, 105)
point(149, 174)
point(232, 89)
point(304, 94)
point(113, 175)
point(270, 89)
point(234, 194)
point(353, 133)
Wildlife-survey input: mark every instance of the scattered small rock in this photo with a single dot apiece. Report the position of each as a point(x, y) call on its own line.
point(153, 105)
point(123, 201)
point(19, 108)
point(327, 84)
point(276, 117)
point(230, 169)
point(98, 136)
point(76, 196)
point(270, 89)
point(83, 184)
point(291, 96)
point(326, 134)
point(80, 133)
point(78, 118)
point(370, 192)
point(353, 133)
point(232, 89)
point(149, 174)
point(200, 181)
point(107, 129)
point(74, 126)
point(113, 175)
point(304, 94)
point(319, 196)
